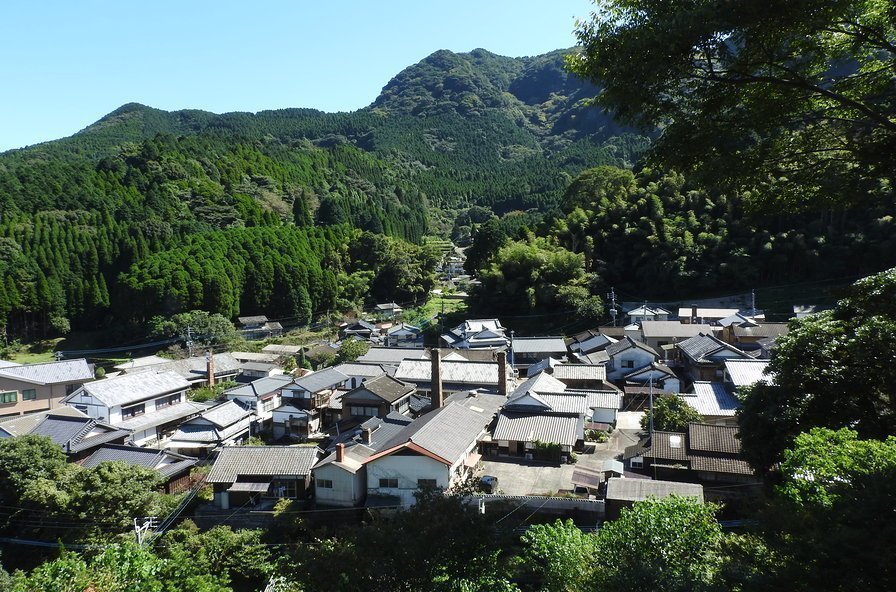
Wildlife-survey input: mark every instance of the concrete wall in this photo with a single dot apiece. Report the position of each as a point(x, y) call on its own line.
point(407, 469)
point(48, 396)
point(348, 489)
point(639, 357)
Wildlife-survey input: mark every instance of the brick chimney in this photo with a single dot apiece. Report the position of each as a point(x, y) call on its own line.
point(340, 452)
point(502, 373)
point(210, 367)
point(437, 396)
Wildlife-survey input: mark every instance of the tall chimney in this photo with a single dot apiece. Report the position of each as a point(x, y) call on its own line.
point(367, 435)
point(694, 314)
point(340, 452)
point(502, 373)
point(210, 367)
point(437, 397)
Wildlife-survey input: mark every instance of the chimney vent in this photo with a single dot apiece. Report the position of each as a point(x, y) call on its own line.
point(340, 452)
point(366, 435)
point(210, 367)
point(502, 373)
point(437, 396)
point(694, 313)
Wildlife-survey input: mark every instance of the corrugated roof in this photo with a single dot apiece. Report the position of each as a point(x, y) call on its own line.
point(262, 461)
point(535, 345)
point(636, 490)
point(473, 373)
point(524, 427)
point(747, 372)
point(711, 399)
point(66, 371)
point(673, 329)
point(132, 388)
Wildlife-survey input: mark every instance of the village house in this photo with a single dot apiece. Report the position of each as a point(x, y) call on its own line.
point(477, 333)
point(436, 451)
point(172, 467)
point(282, 351)
point(647, 313)
point(377, 398)
point(196, 370)
point(748, 338)
point(242, 475)
point(390, 357)
point(306, 407)
point(657, 376)
point(578, 376)
point(74, 432)
point(259, 327)
point(588, 342)
point(739, 373)
point(263, 357)
point(149, 404)
point(526, 351)
point(359, 373)
point(340, 478)
point(261, 396)
point(662, 335)
point(250, 371)
point(628, 355)
point(388, 310)
point(358, 328)
point(26, 388)
point(226, 424)
point(404, 335)
point(624, 493)
point(455, 376)
point(703, 357)
point(695, 315)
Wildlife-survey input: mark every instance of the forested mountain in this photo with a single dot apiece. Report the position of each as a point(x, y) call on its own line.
point(101, 215)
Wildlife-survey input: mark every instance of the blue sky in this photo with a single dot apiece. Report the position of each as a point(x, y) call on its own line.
point(67, 63)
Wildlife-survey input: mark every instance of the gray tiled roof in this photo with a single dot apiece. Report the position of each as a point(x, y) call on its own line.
point(532, 345)
point(362, 370)
point(386, 388)
point(580, 372)
point(672, 329)
point(705, 437)
point(131, 388)
point(447, 432)
point(225, 414)
point(162, 461)
point(700, 348)
point(242, 357)
point(635, 490)
point(604, 399)
point(166, 415)
point(391, 355)
point(711, 399)
point(626, 343)
point(540, 383)
point(253, 320)
point(18, 425)
point(75, 434)
point(260, 387)
point(527, 427)
point(262, 461)
point(66, 371)
point(195, 368)
point(472, 373)
point(282, 350)
point(321, 380)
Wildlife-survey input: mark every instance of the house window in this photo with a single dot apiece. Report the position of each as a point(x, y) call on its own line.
point(269, 405)
point(167, 401)
point(364, 411)
point(70, 388)
point(637, 462)
point(628, 364)
point(285, 488)
point(389, 483)
point(426, 483)
point(133, 411)
point(325, 483)
point(29, 395)
point(9, 397)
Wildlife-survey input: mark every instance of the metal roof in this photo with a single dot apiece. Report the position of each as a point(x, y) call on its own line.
point(636, 490)
point(391, 355)
point(262, 461)
point(132, 388)
point(672, 329)
point(747, 372)
point(66, 371)
point(711, 399)
point(473, 373)
point(161, 461)
point(527, 427)
point(157, 418)
point(315, 382)
point(534, 345)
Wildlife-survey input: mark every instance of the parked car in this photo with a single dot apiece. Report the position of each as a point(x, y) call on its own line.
point(488, 484)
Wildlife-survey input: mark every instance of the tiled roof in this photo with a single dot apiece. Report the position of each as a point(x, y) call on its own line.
point(354, 458)
point(195, 368)
point(604, 399)
point(528, 427)
point(391, 355)
point(67, 371)
point(447, 432)
point(626, 343)
point(282, 350)
point(635, 490)
point(368, 370)
point(242, 357)
point(403, 328)
point(539, 383)
point(75, 434)
point(711, 399)
point(262, 461)
point(700, 348)
point(534, 345)
point(580, 372)
point(542, 365)
point(321, 380)
point(707, 313)
point(162, 461)
point(257, 366)
point(225, 414)
point(704, 437)
point(672, 329)
point(747, 372)
point(385, 387)
point(253, 320)
point(166, 415)
point(669, 446)
point(473, 373)
point(132, 388)
point(652, 368)
point(18, 425)
point(260, 387)
point(719, 464)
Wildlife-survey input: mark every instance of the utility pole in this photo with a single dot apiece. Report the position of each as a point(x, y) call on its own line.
point(189, 341)
point(512, 334)
point(612, 296)
point(753, 298)
point(149, 522)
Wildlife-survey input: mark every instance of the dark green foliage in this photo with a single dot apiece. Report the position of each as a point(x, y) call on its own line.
point(833, 369)
point(670, 414)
